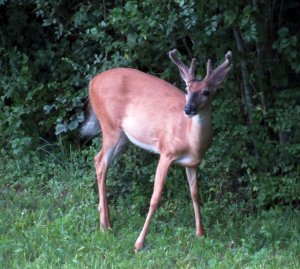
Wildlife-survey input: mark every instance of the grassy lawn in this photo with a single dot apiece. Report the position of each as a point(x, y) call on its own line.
point(49, 219)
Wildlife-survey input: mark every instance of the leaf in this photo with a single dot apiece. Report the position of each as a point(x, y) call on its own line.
point(282, 32)
point(73, 125)
point(48, 108)
point(229, 17)
point(60, 128)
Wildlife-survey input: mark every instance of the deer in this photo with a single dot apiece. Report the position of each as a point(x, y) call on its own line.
point(132, 106)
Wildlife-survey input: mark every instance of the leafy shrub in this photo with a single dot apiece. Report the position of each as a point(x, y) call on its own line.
point(50, 50)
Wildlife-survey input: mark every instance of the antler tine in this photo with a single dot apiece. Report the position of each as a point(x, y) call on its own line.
point(228, 56)
point(208, 67)
point(183, 69)
point(216, 76)
point(174, 58)
point(192, 68)
point(226, 64)
point(186, 73)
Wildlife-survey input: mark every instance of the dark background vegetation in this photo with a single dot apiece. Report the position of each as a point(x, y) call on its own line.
point(51, 49)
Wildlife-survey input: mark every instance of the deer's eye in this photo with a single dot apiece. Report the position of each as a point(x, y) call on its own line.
point(206, 92)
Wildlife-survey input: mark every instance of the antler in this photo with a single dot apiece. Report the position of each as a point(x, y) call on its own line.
point(217, 75)
point(186, 73)
point(208, 67)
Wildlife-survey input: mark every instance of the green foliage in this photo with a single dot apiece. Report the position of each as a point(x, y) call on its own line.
point(49, 219)
point(51, 49)
point(287, 45)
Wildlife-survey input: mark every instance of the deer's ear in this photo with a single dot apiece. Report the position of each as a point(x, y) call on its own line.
point(218, 75)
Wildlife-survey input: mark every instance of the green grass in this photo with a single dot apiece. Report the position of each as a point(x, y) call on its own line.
point(49, 219)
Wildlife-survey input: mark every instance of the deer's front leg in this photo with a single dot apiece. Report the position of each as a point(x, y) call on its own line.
point(160, 178)
point(193, 183)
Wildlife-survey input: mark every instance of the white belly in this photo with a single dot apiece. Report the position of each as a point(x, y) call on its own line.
point(141, 144)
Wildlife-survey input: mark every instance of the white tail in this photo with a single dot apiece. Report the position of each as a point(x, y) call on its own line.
point(133, 106)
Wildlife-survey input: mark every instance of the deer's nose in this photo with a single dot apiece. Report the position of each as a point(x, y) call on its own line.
point(189, 110)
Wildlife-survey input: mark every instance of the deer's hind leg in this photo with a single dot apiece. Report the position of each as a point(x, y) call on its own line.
point(111, 148)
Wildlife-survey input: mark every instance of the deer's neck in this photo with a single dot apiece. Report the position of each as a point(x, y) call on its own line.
point(201, 130)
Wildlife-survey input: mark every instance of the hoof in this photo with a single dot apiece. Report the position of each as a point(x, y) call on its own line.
point(104, 228)
point(138, 246)
point(200, 234)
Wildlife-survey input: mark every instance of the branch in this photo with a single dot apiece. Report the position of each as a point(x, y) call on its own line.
point(245, 75)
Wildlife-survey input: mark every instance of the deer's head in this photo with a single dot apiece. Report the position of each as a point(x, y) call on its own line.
point(199, 93)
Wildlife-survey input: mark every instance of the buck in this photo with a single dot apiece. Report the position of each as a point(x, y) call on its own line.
point(155, 115)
